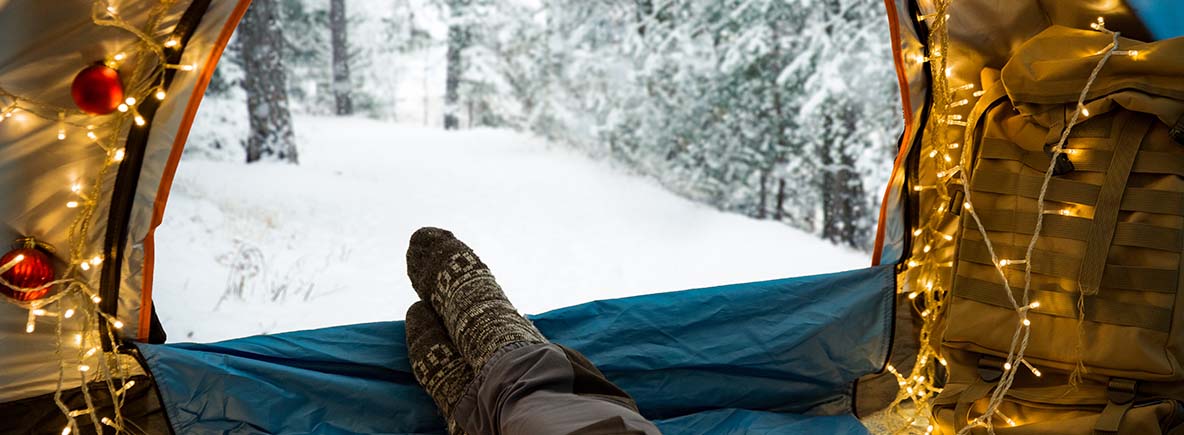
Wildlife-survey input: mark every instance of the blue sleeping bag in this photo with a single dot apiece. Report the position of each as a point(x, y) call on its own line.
point(773, 357)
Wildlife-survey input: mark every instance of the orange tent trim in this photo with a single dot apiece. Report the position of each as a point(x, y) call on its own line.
point(170, 168)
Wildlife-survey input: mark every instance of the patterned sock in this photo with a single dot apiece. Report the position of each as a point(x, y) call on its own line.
point(436, 363)
point(479, 318)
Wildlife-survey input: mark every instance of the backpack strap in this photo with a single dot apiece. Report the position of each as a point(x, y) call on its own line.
point(1130, 138)
point(989, 373)
point(1121, 396)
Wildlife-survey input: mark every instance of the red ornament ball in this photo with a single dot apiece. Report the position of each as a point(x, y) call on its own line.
point(34, 270)
point(97, 89)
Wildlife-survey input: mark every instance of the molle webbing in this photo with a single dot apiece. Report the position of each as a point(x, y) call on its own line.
point(1084, 159)
point(1064, 266)
point(1077, 192)
point(1077, 228)
point(1088, 269)
point(1064, 304)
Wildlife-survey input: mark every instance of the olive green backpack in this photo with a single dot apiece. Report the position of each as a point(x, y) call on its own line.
point(1113, 234)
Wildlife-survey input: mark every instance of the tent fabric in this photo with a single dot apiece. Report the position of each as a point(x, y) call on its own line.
point(768, 357)
point(45, 43)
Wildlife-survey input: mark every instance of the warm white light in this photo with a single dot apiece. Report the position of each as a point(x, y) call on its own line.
point(96, 260)
point(39, 312)
point(119, 153)
point(61, 134)
point(69, 313)
point(72, 204)
point(66, 430)
point(187, 67)
point(131, 101)
point(119, 56)
point(19, 258)
point(1034, 305)
point(85, 266)
point(117, 324)
point(1084, 111)
point(76, 187)
point(1027, 322)
point(92, 135)
point(140, 120)
point(83, 368)
point(160, 94)
point(171, 43)
point(122, 107)
point(1006, 366)
point(96, 299)
point(90, 352)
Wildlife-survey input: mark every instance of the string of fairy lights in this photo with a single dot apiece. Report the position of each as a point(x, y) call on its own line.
point(928, 272)
point(140, 73)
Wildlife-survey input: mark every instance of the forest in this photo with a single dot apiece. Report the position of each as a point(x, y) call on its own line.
point(784, 110)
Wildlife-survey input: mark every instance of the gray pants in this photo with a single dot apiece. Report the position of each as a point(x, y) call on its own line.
point(546, 389)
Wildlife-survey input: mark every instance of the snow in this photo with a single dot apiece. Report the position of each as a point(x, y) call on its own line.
point(323, 243)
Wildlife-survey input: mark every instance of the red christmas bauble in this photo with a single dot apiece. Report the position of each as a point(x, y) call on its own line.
point(97, 89)
point(34, 270)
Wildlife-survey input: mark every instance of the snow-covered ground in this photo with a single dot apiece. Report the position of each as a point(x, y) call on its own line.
point(323, 243)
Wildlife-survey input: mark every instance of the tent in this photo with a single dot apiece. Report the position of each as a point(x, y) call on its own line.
point(799, 355)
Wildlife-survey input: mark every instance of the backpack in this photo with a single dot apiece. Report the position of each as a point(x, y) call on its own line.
point(1106, 267)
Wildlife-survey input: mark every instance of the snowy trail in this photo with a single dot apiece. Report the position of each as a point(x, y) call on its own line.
point(556, 228)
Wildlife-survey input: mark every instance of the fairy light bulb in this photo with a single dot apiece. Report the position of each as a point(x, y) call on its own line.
point(172, 42)
point(160, 94)
point(140, 120)
point(76, 187)
point(61, 134)
point(119, 154)
point(84, 265)
point(69, 313)
point(72, 204)
point(122, 107)
point(117, 324)
point(83, 368)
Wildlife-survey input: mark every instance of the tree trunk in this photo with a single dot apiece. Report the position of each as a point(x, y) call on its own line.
point(338, 25)
point(458, 40)
point(780, 211)
point(266, 84)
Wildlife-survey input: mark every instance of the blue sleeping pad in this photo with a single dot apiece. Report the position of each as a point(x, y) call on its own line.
point(773, 357)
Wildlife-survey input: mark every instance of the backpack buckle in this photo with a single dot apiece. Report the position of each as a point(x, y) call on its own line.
point(990, 369)
point(1177, 131)
point(1121, 391)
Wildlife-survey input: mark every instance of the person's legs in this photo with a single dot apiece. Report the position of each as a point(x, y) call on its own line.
point(525, 385)
point(435, 362)
point(543, 388)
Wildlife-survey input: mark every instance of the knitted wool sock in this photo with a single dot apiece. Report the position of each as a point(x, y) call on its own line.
point(435, 362)
point(479, 318)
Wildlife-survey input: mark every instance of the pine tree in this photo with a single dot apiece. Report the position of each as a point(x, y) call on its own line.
point(338, 26)
point(265, 81)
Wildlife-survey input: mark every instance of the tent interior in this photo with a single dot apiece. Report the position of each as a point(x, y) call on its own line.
point(85, 350)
